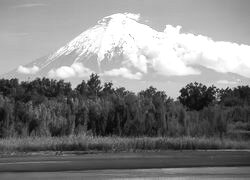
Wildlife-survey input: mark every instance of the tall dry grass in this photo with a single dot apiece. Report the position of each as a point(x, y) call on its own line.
point(116, 144)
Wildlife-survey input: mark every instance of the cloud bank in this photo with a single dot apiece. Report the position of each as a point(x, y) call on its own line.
point(75, 70)
point(220, 56)
point(174, 53)
point(28, 70)
point(226, 82)
point(123, 72)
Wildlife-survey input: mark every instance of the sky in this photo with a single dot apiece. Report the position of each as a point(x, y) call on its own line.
point(30, 29)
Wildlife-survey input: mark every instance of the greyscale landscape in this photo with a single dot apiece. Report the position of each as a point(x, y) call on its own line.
point(94, 90)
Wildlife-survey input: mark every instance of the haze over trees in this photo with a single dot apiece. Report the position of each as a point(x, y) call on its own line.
point(47, 107)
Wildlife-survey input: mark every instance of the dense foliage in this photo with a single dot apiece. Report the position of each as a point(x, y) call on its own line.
point(45, 107)
point(196, 96)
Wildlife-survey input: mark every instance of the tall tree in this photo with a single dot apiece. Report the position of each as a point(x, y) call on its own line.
point(196, 96)
point(94, 85)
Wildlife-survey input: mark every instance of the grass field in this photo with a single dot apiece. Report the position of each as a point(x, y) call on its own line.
point(116, 144)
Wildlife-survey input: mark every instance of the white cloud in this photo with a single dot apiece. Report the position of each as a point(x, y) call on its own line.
point(29, 5)
point(201, 50)
point(175, 53)
point(133, 16)
point(227, 82)
point(75, 70)
point(155, 50)
point(28, 70)
point(123, 72)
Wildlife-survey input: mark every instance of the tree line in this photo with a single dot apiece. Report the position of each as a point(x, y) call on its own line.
point(47, 107)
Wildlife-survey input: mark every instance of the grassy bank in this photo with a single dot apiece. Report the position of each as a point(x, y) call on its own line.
point(116, 144)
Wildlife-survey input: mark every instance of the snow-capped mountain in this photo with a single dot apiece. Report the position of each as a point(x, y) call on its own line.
point(132, 54)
